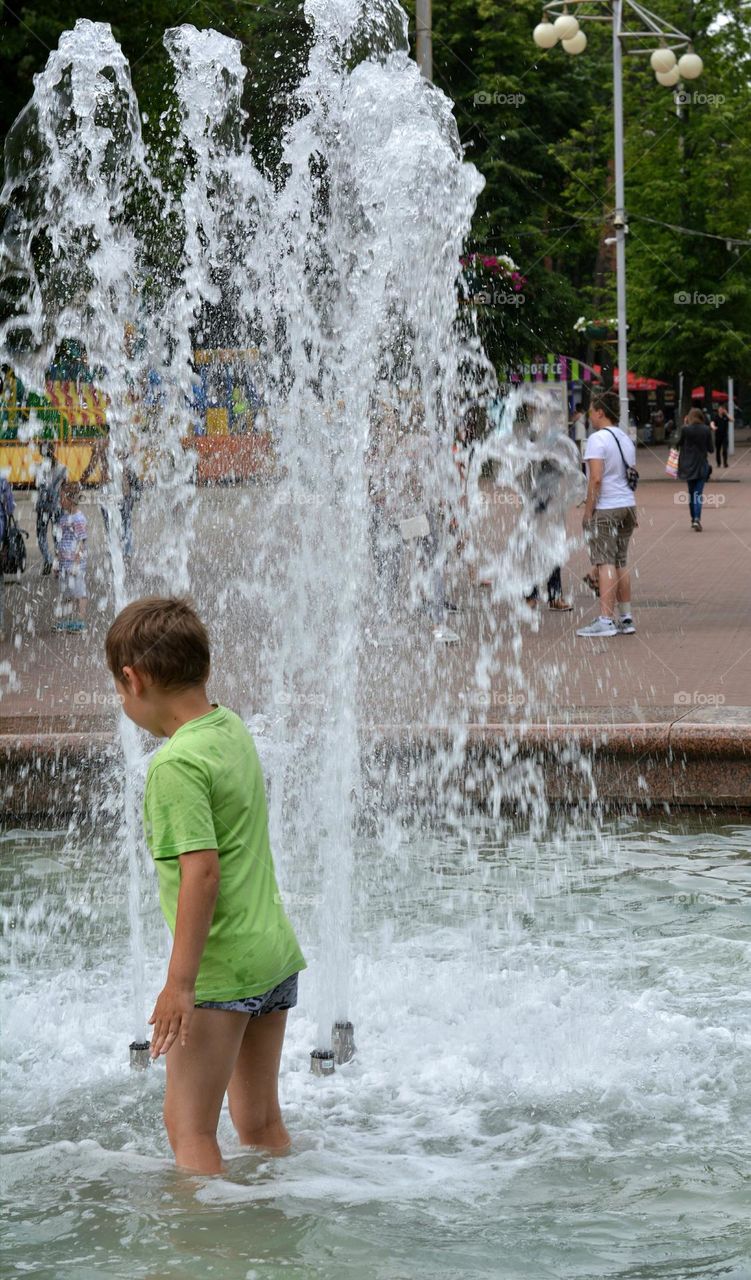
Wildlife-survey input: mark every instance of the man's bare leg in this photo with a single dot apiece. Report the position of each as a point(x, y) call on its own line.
point(623, 590)
point(608, 587)
point(253, 1091)
point(197, 1079)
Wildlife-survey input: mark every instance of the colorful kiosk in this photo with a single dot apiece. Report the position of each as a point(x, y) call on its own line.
point(231, 435)
point(228, 428)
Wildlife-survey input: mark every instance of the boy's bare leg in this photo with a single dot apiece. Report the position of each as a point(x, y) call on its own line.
point(253, 1090)
point(197, 1079)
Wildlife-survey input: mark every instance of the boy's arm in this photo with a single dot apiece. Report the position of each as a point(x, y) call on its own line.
point(199, 886)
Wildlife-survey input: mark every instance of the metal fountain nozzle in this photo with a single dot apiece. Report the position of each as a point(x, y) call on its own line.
point(343, 1041)
point(139, 1054)
point(322, 1062)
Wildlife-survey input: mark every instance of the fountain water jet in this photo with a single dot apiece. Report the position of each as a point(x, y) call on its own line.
point(343, 273)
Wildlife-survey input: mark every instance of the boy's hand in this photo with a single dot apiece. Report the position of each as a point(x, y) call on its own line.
point(171, 1018)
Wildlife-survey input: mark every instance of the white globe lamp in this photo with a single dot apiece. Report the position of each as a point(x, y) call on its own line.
point(566, 26)
point(544, 35)
point(690, 66)
point(662, 60)
point(577, 43)
point(668, 78)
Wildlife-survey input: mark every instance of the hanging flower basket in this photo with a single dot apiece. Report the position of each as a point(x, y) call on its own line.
point(599, 328)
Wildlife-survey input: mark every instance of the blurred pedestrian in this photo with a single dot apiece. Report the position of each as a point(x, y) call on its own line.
point(551, 484)
point(694, 445)
point(50, 477)
point(131, 487)
point(577, 428)
point(7, 507)
point(721, 426)
point(609, 517)
point(72, 560)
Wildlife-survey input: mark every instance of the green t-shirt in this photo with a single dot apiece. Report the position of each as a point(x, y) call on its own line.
point(204, 790)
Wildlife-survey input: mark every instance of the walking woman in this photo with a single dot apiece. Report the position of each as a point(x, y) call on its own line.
point(694, 444)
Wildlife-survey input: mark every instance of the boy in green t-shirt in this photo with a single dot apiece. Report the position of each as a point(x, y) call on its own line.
point(232, 976)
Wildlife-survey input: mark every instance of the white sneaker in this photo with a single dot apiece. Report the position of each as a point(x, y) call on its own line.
point(444, 635)
point(601, 627)
point(625, 626)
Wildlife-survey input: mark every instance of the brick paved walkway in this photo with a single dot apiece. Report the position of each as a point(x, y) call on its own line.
point(690, 658)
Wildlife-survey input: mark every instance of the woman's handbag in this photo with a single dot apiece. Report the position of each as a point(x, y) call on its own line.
point(671, 466)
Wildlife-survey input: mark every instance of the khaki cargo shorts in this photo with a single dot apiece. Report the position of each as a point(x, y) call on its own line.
point(609, 534)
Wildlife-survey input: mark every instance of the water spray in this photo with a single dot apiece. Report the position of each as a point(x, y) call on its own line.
point(139, 1054)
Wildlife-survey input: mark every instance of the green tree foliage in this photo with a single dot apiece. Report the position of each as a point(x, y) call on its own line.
point(687, 165)
point(548, 162)
point(515, 106)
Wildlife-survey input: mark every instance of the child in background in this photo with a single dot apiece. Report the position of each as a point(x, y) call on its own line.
point(232, 976)
point(71, 560)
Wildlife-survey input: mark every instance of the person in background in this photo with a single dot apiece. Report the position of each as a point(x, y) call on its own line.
point(422, 492)
point(721, 427)
point(50, 477)
point(402, 485)
point(386, 544)
point(578, 428)
point(705, 415)
point(72, 557)
point(131, 490)
point(657, 426)
point(694, 445)
point(7, 507)
point(609, 516)
point(551, 484)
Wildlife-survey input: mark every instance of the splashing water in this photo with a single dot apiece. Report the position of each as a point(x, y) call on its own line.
point(342, 275)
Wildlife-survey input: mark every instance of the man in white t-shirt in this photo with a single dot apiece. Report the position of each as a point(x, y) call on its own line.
point(609, 516)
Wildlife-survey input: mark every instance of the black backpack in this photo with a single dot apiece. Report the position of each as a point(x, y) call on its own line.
point(13, 545)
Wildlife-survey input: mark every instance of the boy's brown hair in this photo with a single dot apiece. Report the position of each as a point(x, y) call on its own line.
point(163, 638)
point(71, 490)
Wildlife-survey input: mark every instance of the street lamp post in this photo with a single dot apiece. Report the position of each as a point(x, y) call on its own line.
point(668, 71)
point(424, 37)
point(619, 218)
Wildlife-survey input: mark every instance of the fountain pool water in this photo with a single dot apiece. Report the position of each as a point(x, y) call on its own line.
point(552, 1076)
